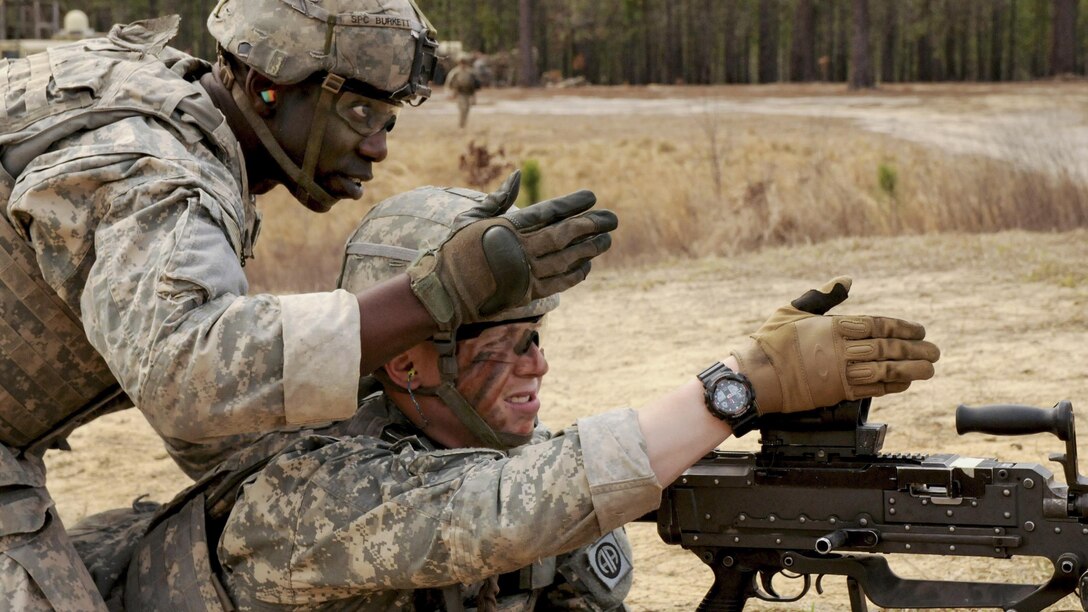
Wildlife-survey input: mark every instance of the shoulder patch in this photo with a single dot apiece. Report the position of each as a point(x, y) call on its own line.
point(608, 561)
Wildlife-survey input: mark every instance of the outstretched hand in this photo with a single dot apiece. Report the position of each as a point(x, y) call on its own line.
point(801, 359)
point(497, 259)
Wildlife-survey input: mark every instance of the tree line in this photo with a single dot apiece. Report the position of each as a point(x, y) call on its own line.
point(707, 41)
point(766, 41)
point(42, 18)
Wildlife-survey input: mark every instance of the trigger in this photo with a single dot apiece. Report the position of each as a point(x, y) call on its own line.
point(819, 584)
point(769, 593)
point(767, 581)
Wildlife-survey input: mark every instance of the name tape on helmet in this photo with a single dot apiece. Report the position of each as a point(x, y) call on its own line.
point(373, 21)
point(354, 19)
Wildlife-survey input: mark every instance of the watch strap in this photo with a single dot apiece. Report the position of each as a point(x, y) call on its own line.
point(709, 374)
point(744, 423)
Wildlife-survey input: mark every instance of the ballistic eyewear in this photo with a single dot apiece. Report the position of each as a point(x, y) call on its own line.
point(366, 115)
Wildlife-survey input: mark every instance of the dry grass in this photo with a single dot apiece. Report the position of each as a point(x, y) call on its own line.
point(707, 182)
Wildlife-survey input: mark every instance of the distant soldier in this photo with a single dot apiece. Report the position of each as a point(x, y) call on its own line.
point(463, 83)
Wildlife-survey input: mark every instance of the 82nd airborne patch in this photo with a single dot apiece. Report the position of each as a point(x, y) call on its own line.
point(608, 561)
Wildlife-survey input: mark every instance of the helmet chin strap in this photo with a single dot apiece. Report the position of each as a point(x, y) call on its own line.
point(471, 419)
point(446, 345)
point(306, 190)
point(446, 390)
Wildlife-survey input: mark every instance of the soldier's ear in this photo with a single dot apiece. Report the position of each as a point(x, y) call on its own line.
point(402, 368)
point(261, 92)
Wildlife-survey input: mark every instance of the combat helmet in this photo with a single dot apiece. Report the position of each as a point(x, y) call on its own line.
point(391, 236)
point(383, 49)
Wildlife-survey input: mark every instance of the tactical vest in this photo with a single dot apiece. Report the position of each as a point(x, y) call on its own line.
point(51, 378)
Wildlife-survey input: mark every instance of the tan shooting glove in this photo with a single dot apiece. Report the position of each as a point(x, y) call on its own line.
point(495, 261)
point(800, 359)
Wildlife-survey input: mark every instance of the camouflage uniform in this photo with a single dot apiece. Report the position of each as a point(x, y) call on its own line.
point(386, 520)
point(39, 570)
point(383, 521)
point(130, 187)
point(370, 513)
point(141, 224)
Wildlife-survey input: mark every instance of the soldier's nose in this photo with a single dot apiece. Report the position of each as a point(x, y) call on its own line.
point(375, 147)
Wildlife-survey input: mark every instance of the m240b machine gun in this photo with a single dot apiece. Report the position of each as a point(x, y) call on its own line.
point(819, 499)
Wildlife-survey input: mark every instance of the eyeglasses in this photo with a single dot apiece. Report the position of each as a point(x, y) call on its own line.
point(366, 116)
point(505, 343)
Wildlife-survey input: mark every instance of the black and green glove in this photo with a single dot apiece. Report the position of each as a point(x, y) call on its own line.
point(494, 261)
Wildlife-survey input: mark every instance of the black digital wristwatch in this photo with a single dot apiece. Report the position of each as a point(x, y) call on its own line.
point(729, 397)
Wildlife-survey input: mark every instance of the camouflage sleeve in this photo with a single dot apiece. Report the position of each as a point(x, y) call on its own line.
point(150, 221)
point(354, 517)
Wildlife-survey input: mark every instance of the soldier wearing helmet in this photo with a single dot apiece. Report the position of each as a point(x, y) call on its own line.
point(450, 404)
point(352, 60)
point(436, 412)
point(130, 171)
point(443, 492)
point(463, 83)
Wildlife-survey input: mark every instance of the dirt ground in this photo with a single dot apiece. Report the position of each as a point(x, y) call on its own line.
point(1020, 121)
point(1009, 311)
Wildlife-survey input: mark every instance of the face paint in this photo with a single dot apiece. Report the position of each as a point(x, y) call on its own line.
point(500, 375)
point(509, 347)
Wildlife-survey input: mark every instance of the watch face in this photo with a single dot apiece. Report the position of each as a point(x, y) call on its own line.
point(731, 397)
